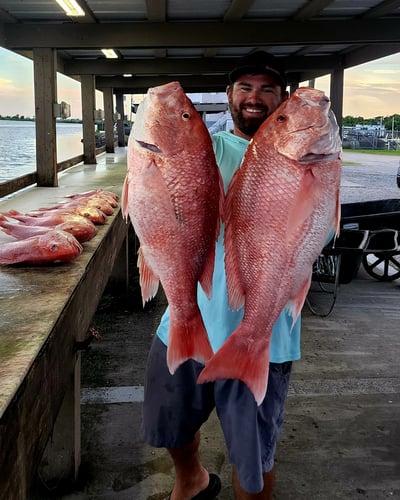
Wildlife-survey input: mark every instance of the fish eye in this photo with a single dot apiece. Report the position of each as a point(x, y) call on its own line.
point(281, 118)
point(186, 116)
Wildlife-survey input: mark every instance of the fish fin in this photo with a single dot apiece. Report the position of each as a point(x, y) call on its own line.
point(294, 306)
point(235, 360)
point(7, 231)
point(12, 213)
point(148, 280)
point(337, 214)
point(302, 209)
point(187, 340)
point(221, 202)
point(236, 293)
point(125, 198)
point(206, 278)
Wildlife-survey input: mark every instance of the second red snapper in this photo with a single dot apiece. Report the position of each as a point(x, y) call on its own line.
point(173, 194)
point(281, 205)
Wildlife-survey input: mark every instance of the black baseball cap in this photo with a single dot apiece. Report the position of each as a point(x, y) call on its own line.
point(260, 63)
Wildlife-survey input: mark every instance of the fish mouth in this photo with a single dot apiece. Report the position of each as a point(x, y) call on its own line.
point(150, 147)
point(312, 157)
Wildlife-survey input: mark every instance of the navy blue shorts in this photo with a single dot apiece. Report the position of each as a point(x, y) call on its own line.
point(175, 407)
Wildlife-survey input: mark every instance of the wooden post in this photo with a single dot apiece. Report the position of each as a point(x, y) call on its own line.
point(109, 119)
point(88, 108)
point(336, 92)
point(45, 82)
point(62, 457)
point(120, 122)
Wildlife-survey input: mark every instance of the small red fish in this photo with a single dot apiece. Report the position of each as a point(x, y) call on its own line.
point(78, 203)
point(40, 218)
point(80, 227)
point(111, 197)
point(52, 247)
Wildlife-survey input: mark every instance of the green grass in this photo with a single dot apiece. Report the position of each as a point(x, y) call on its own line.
point(351, 163)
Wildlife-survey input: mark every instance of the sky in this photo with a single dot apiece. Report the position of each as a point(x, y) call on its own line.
point(370, 90)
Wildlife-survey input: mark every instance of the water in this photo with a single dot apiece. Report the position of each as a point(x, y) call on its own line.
point(18, 146)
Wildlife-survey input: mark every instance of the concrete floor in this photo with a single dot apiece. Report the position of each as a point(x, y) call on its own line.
point(341, 436)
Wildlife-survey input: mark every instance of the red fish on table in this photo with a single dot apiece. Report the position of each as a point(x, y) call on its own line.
point(80, 203)
point(173, 194)
point(281, 206)
point(83, 229)
point(40, 218)
point(52, 247)
point(111, 197)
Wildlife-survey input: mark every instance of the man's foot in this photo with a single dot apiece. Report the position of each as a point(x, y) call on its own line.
point(209, 493)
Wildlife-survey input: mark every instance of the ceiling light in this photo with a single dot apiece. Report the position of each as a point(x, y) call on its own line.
point(71, 7)
point(127, 75)
point(110, 53)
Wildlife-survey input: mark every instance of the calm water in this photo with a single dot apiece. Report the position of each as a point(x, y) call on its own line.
point(18, 151)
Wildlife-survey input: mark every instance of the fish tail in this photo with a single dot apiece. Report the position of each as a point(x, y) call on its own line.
point(6, 230)
point(236, 361)
point(187, 340)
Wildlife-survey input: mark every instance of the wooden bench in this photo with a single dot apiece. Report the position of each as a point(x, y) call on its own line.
point(44, 312)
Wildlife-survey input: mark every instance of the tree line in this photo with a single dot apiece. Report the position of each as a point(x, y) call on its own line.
point(387, 121)
point(32, 119)
point(348, 121)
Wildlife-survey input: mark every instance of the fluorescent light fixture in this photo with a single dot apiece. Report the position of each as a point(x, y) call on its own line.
point(110, 53)
point(128, 75)
point(71, 7)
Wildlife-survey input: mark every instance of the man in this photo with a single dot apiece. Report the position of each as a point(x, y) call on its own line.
point(176, 406)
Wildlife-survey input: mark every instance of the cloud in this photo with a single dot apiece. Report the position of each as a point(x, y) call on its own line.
point(15, 98)
point(395, 72)
point(6, 86)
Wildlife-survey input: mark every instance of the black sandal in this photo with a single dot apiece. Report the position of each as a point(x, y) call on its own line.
point(209, 493)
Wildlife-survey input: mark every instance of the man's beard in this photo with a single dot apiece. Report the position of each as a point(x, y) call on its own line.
point(248, 126)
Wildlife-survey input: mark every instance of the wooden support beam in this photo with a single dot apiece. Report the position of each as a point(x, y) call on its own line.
point(109, 119)
point(120, 122)
point(336, 94)
point(88, 108)
point(45, 82)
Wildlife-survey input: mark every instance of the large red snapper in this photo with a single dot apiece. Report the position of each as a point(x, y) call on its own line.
point(173, 194)
point(281, 205)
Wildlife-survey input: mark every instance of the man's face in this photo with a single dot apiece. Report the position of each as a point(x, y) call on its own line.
point(251, 99)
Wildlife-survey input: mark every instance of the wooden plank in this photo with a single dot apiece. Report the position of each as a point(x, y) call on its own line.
point(18, 183)
point(26, 180)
